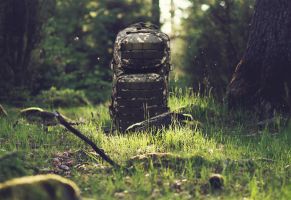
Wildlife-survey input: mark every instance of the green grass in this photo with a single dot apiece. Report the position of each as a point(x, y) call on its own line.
point(253, 167)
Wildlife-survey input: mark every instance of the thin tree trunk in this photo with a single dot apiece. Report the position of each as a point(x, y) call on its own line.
point(172, 11)
point(263, 76)
point(156, 13)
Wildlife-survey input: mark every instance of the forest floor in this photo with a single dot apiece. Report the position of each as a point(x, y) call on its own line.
point(254, 162)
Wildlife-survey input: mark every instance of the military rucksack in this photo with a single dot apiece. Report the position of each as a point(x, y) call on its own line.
point(141, 65)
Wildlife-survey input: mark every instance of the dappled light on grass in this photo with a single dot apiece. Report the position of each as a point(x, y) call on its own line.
point(167, 163)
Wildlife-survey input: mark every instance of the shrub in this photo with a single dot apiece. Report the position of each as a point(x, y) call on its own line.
point(17, 96)
point(62, 98)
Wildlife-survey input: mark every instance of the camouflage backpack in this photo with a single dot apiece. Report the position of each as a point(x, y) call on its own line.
point(141, 65)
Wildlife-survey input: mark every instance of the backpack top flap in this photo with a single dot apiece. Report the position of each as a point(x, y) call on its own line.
point(141, 47)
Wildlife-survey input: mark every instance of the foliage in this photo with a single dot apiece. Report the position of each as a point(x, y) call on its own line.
point(76, 44)
point(217, 33)
point(79, 43)
point(62, 98)
point(252, 166)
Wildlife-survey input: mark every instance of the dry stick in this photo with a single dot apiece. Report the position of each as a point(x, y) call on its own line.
point(85, 139)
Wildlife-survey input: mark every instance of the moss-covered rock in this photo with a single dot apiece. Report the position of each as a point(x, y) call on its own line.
point(39, 116)
point(44, 187)
point(216, 181)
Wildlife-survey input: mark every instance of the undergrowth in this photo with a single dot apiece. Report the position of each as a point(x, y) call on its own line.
point(255, 162)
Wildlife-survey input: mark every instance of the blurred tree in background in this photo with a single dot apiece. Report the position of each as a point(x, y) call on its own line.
point(155, 12)
point(21, 22)
point(216, 33)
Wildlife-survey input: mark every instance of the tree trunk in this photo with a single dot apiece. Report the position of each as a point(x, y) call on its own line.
point(20, 32)
point(262, 79)
point(172, 12)
point(156, 13)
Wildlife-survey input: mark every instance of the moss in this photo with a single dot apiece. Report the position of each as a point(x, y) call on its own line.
point(45, 187)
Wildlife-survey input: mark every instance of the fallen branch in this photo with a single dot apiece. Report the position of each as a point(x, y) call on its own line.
point(159, 121)
point(3, 112)
point(85, 139)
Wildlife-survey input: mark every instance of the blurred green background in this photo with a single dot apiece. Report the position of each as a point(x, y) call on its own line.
point(58, 51)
